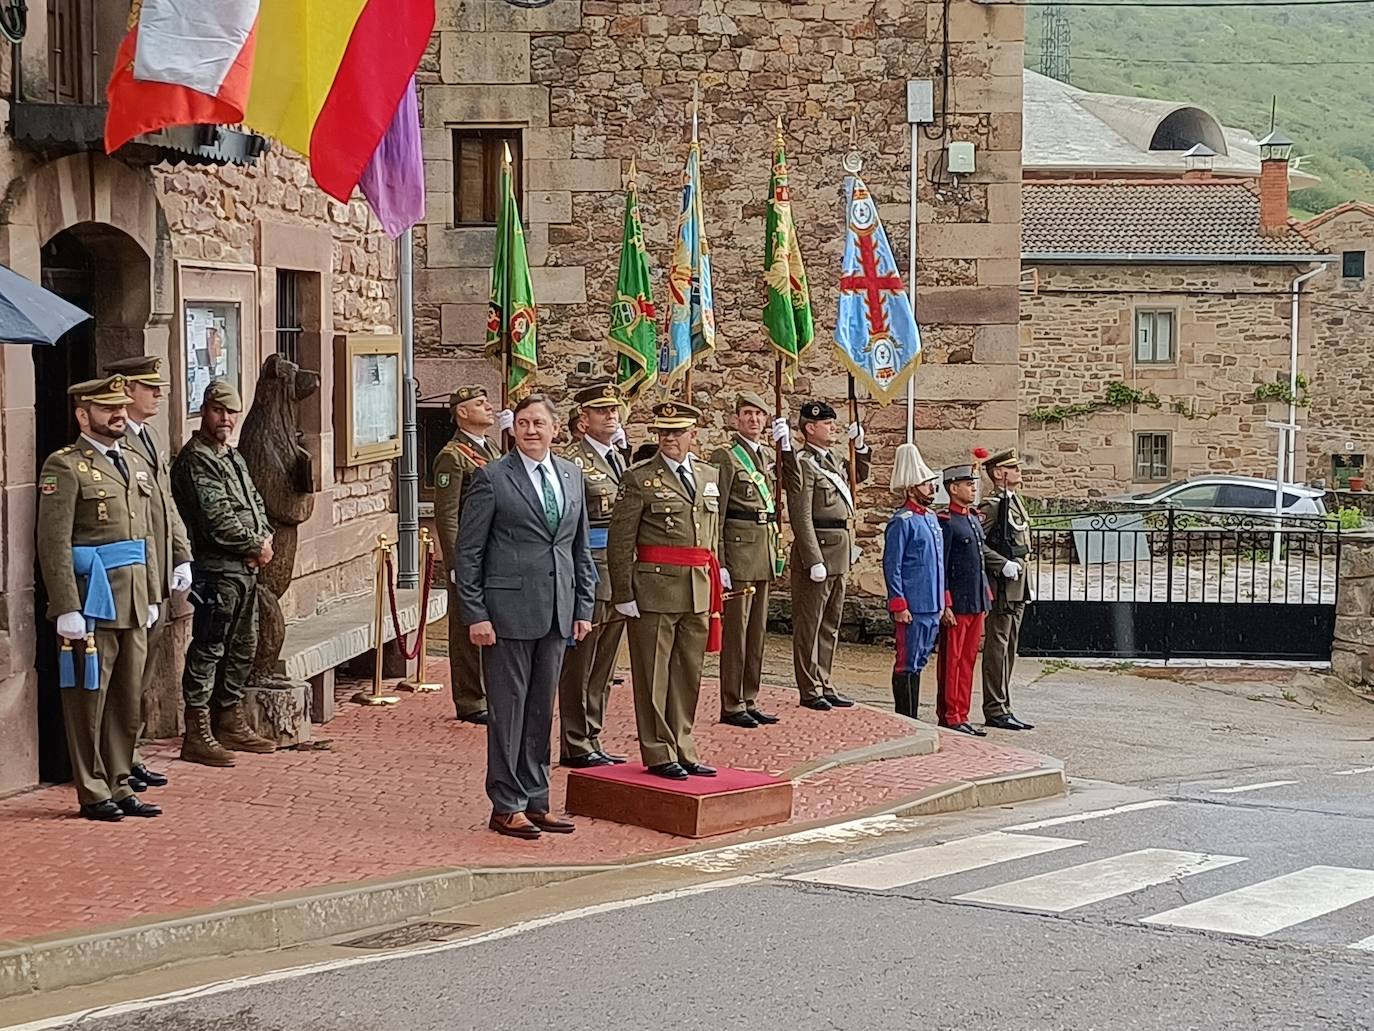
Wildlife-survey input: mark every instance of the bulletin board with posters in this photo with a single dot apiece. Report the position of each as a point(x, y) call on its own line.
point(367, 382)
point(213, 340)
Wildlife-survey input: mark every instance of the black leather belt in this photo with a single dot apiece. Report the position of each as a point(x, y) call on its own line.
point(830, 524)
point(745, 516)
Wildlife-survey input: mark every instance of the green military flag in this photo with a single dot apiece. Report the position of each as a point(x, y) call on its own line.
point(633, 332)
point(511, 336)
point(787, 307)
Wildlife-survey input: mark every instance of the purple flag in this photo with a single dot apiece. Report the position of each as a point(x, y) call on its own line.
point(394, 180)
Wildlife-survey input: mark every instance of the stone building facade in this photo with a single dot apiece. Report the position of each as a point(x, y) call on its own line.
point(584, 87)
point(165, 240)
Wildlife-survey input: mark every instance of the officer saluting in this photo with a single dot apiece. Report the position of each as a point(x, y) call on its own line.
point(1007, 525)
point(749, 553)
point(666, 579)
point(94, 548)
point(468, 451)
point(821, 510)
point(585, 681)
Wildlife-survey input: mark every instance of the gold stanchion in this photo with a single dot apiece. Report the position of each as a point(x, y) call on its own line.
point(418, 684)
point(375, 697)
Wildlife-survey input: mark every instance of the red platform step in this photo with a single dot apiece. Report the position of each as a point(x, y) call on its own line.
point(698, 807)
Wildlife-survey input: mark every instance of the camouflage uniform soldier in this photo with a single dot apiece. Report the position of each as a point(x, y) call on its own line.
point(94, 548)
point(232, 539)
point(585, 681)
point(468, 451)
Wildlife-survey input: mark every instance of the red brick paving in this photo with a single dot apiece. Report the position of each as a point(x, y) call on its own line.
point(401, 791)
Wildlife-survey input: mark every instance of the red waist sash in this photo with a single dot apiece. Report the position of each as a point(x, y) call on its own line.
point(693, 558)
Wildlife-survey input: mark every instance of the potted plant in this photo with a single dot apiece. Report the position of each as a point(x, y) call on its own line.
point(1357, 484)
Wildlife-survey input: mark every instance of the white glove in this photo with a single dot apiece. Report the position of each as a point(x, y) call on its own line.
point(1012, 570)
point(152, 616)
point(618, 438)
point(856, 434)
point(817, 572)
point(505, 419)
point(181, 577)
point(453, 576)
point(782, 434)
point(628, 609)
point(725, 580)
point(72, 626)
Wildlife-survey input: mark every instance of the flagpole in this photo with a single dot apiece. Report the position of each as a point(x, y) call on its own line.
point(911, 282)
point(853, 164)
point(696, 113)
point(779, 495)
point(506, 439)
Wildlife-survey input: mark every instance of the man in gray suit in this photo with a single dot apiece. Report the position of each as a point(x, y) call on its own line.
point(527, 587)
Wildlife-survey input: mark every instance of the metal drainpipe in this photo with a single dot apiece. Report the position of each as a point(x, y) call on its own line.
point(1288, 438)
point(408, 551)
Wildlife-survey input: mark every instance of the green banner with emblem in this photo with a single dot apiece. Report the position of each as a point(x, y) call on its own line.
point(787, 308)
point(511, 315)
point(633, 333)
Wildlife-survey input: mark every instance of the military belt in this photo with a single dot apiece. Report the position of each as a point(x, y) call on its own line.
point(830, 524)
point(743, 515)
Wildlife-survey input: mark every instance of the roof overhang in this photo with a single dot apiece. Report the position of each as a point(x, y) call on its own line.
point(1131, 258)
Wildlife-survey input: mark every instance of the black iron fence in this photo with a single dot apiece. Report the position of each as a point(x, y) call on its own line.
point(1176, 583)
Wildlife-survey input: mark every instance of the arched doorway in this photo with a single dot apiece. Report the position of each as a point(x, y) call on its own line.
point(104, 271)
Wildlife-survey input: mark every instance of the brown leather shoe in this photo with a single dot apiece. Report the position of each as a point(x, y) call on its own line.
point(513, 825)
point(549, 822)
point(233, 732)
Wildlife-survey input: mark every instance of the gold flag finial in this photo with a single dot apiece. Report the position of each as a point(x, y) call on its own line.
point(506, 156)
point(632, 175)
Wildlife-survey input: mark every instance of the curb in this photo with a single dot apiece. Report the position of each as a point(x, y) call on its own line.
point(269, 923)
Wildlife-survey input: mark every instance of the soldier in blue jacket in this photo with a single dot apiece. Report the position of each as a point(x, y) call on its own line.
point(969, 599)
point(914, 568)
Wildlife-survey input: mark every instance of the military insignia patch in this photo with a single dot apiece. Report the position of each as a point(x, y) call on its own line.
point(49, 485)
point(442, 481)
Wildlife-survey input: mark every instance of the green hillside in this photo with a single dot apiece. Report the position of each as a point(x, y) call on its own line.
point(1319, 62)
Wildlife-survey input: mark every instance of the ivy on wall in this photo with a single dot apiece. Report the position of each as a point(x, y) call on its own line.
point(1279, 390)
point(1117, 395)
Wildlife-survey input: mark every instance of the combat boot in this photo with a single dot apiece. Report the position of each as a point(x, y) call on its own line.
point(232, 731)
point(906, 691)
point(199, 744)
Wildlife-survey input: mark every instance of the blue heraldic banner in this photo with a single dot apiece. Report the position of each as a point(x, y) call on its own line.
point(691, 304)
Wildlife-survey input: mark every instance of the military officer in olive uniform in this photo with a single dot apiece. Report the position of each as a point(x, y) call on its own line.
point(821, 511)
point(468, 451)
point(749, 553)
point(171, 558)
point(95, 549)
point(232, 540)
point(666, 579)
point(585, 681)
point(1007, 526)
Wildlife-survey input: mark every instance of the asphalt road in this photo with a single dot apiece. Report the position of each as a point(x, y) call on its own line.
point(1198, 907)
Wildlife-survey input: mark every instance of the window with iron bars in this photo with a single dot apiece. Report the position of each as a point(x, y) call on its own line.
point(289, 328)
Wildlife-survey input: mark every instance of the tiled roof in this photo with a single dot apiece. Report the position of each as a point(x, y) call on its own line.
point(1184, 219)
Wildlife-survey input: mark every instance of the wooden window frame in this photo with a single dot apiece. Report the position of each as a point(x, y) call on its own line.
point(1150, 477)
point(1154, 313)
point(1345, 267)
point(491, 138)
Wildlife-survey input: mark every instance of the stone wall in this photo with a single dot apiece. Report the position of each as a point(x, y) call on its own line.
point(1352, 651)
point(1077, 338)
point(596, 83)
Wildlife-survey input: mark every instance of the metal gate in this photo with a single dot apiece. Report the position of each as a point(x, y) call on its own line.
point(1174, 583)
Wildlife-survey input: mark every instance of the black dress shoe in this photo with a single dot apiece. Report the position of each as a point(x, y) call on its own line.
point(819, 704)
point(965, 728)
point(106, 811)
point(839, 701)
point(698, 769)
point(670, 770)
point(762, 717)
point(136, 785)
point(1007, 722)
point(132, 806)
point(149, 777)
point(615, 760)
point(740, 719)
point(479, 718)
point(1021, 724)
point(585, 762)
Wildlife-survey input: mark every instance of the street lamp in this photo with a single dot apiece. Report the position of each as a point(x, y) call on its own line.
point(1275, 147)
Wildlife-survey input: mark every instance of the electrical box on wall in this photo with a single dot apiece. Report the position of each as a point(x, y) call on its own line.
point(959, 158)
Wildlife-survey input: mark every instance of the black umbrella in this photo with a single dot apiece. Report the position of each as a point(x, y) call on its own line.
point(30, 314)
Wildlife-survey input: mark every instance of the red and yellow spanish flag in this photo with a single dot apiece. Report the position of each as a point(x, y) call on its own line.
point(324, 77)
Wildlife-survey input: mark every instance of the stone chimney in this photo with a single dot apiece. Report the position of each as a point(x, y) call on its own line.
point(1275, 150)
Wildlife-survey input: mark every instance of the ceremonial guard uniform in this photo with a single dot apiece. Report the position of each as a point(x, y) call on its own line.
point(821, 511)
point(1007, 526)
point(462, 456)
point(967, 600)
point(914, 571)
point(94, 549)
point(749, 551)
point(585, 681)
point(665, 576)
point(171, 547)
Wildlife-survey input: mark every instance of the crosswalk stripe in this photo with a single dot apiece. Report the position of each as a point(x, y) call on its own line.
point(1355, 772)
point(1272, 905)
point(931, 861)
point(1082, 885)
point(1364, 944)
point(1253, 787)
point(1094, 814)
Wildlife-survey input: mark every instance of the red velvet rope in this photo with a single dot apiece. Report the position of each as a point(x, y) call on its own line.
point(409, 651)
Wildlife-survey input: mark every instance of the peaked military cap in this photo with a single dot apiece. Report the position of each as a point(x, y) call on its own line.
point(955, 473)
point(223, 394)
point(748, 399)
point(816, 411)
point(675, 415)
point(464, 394)
point(108, 391)
point(142, 368)
point(598, 395)
point(1001, 458)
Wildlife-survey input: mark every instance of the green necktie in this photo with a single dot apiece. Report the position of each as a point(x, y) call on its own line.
point(551, 513)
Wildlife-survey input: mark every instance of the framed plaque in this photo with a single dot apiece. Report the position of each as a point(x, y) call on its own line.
point(367, 410)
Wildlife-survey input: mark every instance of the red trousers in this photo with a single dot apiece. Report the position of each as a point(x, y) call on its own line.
point(954, 668)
